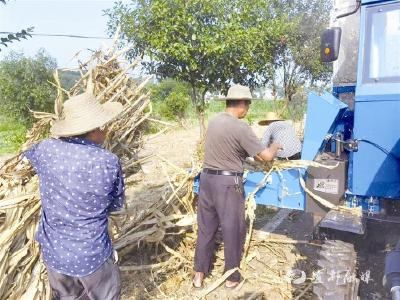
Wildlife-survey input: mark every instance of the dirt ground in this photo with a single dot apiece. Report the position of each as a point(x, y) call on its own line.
point(177, 147)
point(174, 149)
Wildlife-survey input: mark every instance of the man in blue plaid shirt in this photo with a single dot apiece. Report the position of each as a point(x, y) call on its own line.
point(281, 132)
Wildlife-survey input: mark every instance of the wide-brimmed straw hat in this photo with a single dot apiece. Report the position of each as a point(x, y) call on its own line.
point(82, 114)
point(270, 117)
point(238, 92)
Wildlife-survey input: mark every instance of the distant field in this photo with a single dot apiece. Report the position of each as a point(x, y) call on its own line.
point(258, 110)
point(12, 133)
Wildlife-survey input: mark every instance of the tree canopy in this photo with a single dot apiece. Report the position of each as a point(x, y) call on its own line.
point(207, 43)
point(297, 62)
point(24, 85)
point(211, 44)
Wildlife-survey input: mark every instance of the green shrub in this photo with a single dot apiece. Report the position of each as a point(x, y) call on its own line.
point(175, 106)
point(161, 90)
point(171, 99)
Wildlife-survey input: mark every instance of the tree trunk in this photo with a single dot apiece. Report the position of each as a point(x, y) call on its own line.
point(202, 123)
point(202, 114)
point(274, 92)
point(198, 102)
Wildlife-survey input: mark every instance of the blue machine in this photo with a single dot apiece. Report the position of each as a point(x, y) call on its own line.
point(369, 128)
point(375, 166)
point(374, 172)
point(283, 188)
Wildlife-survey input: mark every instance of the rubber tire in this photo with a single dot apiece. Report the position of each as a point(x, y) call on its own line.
point(336, 278)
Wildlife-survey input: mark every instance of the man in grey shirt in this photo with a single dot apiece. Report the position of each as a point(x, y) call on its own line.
point(221, 198)
point(282, 132)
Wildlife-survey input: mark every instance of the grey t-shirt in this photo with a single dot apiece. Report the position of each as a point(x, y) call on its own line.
point(228, 142)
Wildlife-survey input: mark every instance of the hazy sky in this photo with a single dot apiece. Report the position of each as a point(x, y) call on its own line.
point(74, 17)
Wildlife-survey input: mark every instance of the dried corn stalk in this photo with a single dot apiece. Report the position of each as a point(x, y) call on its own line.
point(22, 274)
point(179, 267)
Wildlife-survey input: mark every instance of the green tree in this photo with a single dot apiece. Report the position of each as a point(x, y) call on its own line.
point(68, 78)
point(207, 43)
point(297, 60)
point(25, 86)
point(162, 89)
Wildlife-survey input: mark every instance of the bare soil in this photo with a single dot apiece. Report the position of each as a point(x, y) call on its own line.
point(177, 147)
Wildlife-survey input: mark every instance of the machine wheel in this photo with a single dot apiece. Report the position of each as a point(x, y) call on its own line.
point(336, 278)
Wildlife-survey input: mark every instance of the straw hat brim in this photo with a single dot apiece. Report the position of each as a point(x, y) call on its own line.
point(250, 99)
point(267, 122)
point(65, 128)
point(235, 98)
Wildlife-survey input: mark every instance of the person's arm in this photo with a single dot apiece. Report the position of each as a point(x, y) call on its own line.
point(254, 148)
point(269, 153)
point(30, 155)
point(118, 193)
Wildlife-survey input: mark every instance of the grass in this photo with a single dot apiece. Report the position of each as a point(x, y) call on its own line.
point(12, 135)
point(258, 109)
point(12, 132)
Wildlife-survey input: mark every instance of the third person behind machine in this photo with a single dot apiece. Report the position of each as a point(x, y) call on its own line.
point(282, 132)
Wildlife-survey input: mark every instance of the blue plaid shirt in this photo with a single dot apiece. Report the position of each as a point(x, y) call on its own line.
point(80, 184)
point(282, 132)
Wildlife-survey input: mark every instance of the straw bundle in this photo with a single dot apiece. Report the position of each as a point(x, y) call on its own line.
point(22, 274)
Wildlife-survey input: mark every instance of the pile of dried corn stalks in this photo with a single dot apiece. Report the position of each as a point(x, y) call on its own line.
point(22, 274)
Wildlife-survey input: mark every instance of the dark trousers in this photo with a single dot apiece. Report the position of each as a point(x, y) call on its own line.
point(295, 156)
point(103, 284)
point(220, 204)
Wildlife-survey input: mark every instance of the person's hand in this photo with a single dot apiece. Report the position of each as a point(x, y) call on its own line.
point(250, 160)
point(269, 153)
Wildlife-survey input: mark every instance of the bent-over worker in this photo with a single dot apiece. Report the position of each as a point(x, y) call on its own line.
point(282, 132)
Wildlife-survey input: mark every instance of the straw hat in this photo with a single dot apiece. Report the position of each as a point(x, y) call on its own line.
point(271, 117)
point(82, 114)
point(238, 92)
